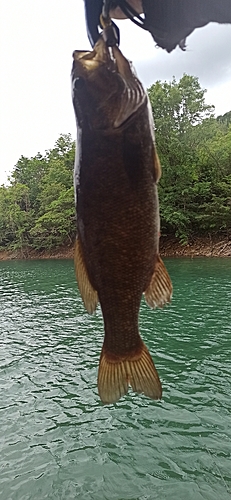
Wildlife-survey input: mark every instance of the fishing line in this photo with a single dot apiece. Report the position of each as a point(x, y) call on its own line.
point(131, 13)
point(110, 33)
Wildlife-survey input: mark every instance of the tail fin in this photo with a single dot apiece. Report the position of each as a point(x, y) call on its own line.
point(138, 370)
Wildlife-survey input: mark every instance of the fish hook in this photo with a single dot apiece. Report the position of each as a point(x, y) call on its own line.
point(94, 9)
point(110, 30)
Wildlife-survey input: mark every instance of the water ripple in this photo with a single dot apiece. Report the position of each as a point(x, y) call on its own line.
point(58, 441)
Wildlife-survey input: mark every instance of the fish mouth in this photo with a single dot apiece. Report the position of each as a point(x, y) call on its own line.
point(131, 96)
point(111, 57)
point(91, 60)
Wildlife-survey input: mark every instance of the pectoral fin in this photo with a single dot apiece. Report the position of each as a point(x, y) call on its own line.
point(159, 291)
point(134, 95)
point(88, 294)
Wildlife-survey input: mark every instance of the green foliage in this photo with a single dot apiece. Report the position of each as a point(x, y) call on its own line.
point(15, 216)
point(57, 224)
point(194, 150)
point(37, 208)
point(225, 119)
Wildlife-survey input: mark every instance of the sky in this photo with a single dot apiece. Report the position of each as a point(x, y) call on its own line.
point(37, 38)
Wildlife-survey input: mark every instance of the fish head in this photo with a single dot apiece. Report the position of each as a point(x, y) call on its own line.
point(106, 90)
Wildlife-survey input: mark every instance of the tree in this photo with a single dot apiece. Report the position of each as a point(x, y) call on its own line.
point(15, 216)
point(37, 209)
point(184, 127)
point(214, 211)
point(225, 119)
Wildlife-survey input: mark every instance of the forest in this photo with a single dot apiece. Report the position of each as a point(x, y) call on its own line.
point(37, 205)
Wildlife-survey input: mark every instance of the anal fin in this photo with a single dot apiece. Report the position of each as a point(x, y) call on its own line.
point(159, 291)
point(88, 294)
point(116, 374)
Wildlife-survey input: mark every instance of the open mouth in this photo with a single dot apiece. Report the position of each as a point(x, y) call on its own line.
point(100, 55)
point(124, 95)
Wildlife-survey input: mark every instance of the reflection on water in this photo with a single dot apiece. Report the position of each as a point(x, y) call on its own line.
point(57, 441)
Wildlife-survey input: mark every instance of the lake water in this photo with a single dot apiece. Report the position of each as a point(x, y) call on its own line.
point(58, 442)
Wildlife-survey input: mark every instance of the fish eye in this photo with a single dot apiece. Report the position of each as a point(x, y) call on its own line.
point(78, 83)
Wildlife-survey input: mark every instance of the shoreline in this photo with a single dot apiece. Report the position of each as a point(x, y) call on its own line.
point(198, 247)
point(169, 247)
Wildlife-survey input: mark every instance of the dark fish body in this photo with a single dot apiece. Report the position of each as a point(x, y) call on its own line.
point(117, 255)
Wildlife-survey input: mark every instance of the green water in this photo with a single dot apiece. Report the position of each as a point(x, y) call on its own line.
point(58, 442)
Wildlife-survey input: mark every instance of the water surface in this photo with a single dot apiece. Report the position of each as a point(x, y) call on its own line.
point(58, 442)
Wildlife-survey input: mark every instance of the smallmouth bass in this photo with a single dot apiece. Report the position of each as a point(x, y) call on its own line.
point(117, 248)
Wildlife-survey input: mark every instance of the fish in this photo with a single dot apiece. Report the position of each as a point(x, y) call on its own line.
point(116, 254)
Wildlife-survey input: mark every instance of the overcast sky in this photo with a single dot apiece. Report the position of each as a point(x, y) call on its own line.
point(37, 38)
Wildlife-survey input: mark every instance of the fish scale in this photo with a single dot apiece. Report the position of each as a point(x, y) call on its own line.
point(117, 249)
